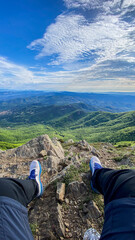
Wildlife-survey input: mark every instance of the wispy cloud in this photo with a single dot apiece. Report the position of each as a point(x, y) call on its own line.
point(83, 4)
point(11, 73)
point(73, 37)
point(88, 79)
point(107, 5)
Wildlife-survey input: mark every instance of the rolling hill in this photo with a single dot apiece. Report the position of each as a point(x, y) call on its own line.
point(77, 121)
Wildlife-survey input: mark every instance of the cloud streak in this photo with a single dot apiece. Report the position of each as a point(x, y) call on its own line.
point(74, 38)
point(88, 79)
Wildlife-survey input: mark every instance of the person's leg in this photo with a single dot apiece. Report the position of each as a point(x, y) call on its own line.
point(24, 191)
point(114, 184)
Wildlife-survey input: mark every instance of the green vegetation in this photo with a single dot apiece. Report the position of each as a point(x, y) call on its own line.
point(121, 167)
point(6, 145)
point(16, 136)
point(98, 199)
point(73, 173)
point(34, 228)
point(65, 122)
point(125, 144)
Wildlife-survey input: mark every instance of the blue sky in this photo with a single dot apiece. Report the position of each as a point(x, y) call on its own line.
point(68, 45)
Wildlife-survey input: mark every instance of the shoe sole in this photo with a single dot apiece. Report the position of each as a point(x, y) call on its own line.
point(39, 181)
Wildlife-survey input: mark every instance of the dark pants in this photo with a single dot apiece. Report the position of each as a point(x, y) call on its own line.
point(114, 184)
point(23, 191)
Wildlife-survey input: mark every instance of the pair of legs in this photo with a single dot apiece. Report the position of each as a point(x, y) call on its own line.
point(23, 191)
point(113, 184)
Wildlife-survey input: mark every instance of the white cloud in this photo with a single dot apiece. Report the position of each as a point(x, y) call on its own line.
point(128, 3)
point(72, 38)
point(83, 3)
point(14, 73)
point(98, 4)
point(91, 79)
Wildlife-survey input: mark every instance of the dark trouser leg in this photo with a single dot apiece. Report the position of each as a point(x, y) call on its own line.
point(114, 184)
point(23, 191)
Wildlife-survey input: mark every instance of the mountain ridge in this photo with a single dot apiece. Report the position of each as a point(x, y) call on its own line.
point(118, 102)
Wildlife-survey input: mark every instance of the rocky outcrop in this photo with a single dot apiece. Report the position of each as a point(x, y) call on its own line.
point(33, 148)
point(68, 206)
point(39, 147)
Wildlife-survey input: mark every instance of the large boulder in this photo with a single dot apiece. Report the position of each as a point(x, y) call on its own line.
point(33, 148)
point(36, 148)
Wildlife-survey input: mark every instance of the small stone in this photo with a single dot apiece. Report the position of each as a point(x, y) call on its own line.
point(60, 191)
point(67, 200)
point(70, 234)
point(69, 141)
point(66, 224)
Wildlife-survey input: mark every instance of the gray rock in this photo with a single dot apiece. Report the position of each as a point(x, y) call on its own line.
point(60, 194)
point(34, 148)
point(53, 162)
point(43, 153)
point(94, 212)
point(69, 141)
point(61, 229)
point(76, 189)
point(83, 145)
point(95, 152)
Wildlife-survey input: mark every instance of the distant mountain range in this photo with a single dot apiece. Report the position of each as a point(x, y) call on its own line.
point(118, 102)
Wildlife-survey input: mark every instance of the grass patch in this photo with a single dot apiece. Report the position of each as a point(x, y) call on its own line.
point(6, 145)
point(125, 144)
point(118, 158)
point(84, 167)
point(98, 199)
point(71, 175)
point(124, 167)
point(65, 206)
point(34, 228)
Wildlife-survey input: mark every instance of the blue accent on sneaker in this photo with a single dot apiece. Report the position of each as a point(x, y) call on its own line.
point(32, 174)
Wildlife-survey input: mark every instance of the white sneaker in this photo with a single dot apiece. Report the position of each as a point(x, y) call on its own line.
point(94, 164)
point(35, 173)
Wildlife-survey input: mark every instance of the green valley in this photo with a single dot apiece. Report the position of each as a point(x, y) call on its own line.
point(74, 121)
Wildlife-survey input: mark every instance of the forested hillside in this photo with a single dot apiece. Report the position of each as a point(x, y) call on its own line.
point(78, 121)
